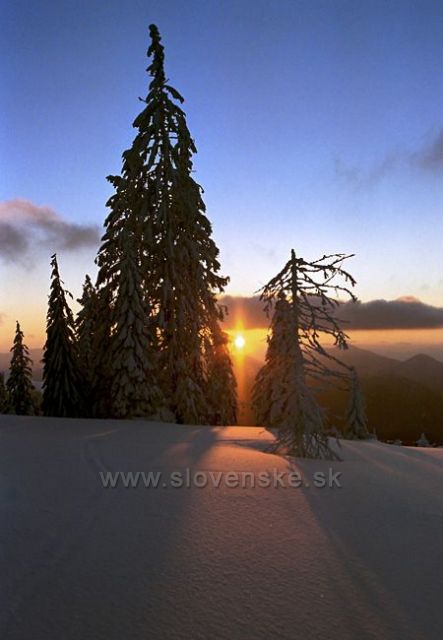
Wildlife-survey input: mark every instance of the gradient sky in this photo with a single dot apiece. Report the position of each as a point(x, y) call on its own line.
point(318, 125)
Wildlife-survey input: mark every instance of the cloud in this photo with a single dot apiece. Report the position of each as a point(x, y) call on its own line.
point(25, 226)
point(242, 310)
point(429, 158)
point(404, 313)
point(12, 242)
point(366, 178)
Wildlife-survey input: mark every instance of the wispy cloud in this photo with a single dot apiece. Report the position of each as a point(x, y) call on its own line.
point(428, 158)
point(25, 226)
point(365, 178)
point(403, 313)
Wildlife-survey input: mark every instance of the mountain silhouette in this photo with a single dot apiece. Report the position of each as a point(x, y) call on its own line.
point(36, 357)
point(404, 398)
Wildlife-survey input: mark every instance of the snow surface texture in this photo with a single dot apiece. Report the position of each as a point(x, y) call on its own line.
point(82, 561)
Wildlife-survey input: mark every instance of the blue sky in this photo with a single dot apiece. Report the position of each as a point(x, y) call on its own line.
point(317, 126)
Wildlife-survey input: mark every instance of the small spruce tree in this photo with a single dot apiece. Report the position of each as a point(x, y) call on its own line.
point(266, 393)
point(4, 398)
point(221, 385)
point(86, 327)
point(62, 383)
point(19, 384)
point(283, 396)
point(356, 418)
point(423, 441)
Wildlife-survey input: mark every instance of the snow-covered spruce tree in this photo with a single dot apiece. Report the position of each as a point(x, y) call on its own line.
point(305, 311)
point(4, 399)
point(266, 393)
point(19, 384)
point(133, 362)
point(62, 382)
point(177, 257)
point(221, 385)
point(356, 418)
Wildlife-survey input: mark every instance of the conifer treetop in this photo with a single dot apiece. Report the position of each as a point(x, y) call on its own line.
point(19, 350)
point(315, 287)
point(57, 298)
point(157, 51)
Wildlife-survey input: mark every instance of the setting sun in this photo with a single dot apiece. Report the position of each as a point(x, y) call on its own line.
point(239, 342)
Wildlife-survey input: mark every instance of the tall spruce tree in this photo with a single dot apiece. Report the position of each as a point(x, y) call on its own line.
point(62, 382)
point(305, 311)
point(19, 384)
point(176, 255)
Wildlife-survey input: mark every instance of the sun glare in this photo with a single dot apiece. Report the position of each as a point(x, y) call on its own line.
point(239, 342)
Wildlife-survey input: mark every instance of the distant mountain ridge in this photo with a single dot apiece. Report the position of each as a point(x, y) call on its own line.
point(36, 356)
point(420, 368)
point(403, 397)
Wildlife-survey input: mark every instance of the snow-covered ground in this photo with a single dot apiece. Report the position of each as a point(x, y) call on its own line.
point(80, 561)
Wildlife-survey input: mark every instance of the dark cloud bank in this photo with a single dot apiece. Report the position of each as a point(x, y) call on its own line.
point(404, 313)
point(25, 227)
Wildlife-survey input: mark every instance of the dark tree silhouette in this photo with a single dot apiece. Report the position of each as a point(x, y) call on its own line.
point(86, 324)
point(19, 384)
point(157, 200)
point(356, 418)
point(62, 383)
point(4, 399)
point(221, 385)
point(133, 364)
